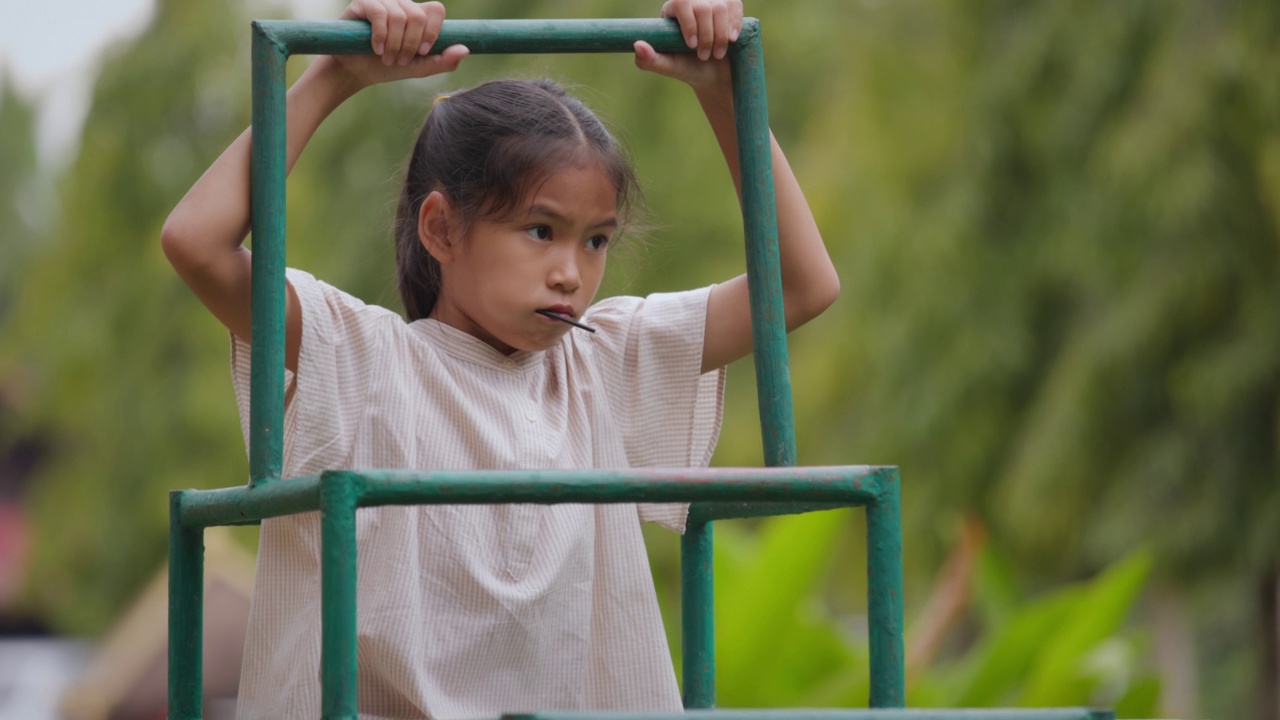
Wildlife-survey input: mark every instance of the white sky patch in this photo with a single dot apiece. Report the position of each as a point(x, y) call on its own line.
point(48, 49)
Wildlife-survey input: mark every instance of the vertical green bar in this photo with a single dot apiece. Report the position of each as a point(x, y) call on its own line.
point(338, 665)
point(697, 615)
point(884, 595)
point(186, 614)
point(760, 221)
point(266, 411)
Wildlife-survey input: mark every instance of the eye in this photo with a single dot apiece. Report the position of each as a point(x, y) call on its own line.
point(539, 232)
point(599, 242)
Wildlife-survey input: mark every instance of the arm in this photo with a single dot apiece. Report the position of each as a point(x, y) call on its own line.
point(204, 235)
point(809, 281)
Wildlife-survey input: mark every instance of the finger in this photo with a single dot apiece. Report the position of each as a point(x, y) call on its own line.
point(377, 16)
point(683, 13)
point(651, 60)
point(720, 19)
point(647, 58)
point(735, 20)
point(645, 55)
point(395, 33)
point(434, 12)
point(706, 31)
point(446, 61)
point(415, 22)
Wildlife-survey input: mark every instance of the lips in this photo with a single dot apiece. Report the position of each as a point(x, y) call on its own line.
point(565, 310)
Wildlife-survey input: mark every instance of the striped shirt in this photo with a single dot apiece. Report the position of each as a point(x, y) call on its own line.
point(473, 611)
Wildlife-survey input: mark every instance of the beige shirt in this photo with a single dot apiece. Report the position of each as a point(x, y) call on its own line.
point(472, 611)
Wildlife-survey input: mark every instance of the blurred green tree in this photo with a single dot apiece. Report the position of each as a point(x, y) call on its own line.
point(1065, 289)
point(20, 210)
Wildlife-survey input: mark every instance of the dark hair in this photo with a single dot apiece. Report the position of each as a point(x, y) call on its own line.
point(483, 149)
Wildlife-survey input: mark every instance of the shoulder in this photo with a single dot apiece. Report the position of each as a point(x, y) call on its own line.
point(622, 310)
point(327, 310)
point(624, 319)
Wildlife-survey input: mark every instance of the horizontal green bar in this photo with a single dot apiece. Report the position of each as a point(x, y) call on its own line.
point(781, 490)
point(703, 512)
point(824, 714)
point(839, 485)
point(245, 504)
point(352, 37)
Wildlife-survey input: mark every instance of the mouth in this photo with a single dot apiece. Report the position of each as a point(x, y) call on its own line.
point(564, 314)
point(561, 309)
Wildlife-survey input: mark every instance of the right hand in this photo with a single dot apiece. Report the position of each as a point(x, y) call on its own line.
point(403, 33)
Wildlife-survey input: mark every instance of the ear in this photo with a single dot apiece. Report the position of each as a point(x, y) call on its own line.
point(434, 227)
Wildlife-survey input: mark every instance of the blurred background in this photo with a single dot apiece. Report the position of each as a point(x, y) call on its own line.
point(1058, 229)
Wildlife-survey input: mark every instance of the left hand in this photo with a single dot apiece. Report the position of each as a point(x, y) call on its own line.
point(708, 27)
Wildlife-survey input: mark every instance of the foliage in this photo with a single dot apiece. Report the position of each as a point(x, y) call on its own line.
point(19, 186)
point(1072, 646)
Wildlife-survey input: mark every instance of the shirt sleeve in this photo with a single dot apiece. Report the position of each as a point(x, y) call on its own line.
point(668, 411)
point(324, 399)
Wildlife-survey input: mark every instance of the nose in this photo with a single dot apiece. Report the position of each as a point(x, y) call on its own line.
point(564, 274)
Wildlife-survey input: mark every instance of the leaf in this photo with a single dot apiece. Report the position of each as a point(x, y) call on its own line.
point(1057, 677)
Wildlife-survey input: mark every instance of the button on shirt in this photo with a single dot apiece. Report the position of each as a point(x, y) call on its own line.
point(473, 611)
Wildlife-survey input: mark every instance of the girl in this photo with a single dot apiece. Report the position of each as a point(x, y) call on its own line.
point(512, 196)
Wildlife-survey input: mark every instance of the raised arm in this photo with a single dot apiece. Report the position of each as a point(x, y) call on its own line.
point(809, 281)
point(204, 235)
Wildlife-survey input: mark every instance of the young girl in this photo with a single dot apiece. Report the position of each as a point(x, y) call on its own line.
point(512, 196)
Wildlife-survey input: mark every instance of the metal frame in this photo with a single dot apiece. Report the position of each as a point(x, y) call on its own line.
point(874, 714)
point(716, 493)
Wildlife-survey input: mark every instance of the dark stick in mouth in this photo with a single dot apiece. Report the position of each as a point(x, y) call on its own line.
point(564, 319)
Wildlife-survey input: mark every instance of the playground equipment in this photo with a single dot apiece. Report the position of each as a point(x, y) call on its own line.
point(716, 493)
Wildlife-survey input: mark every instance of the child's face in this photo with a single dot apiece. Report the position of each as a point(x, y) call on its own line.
point(549, 256)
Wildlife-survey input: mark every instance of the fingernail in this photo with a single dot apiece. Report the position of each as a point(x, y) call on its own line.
point(379, 48)
point(733, 35)
point(720, 53)
point(704, 54)
point(424, 48)
point(691, 41)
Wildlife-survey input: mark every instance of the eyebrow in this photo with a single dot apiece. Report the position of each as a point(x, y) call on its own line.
point(545, 211)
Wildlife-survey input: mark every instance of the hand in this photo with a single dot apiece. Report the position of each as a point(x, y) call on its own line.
point(403, 32)
point(708, 27)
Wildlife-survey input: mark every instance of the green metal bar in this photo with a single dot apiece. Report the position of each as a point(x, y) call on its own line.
point(186, 614)
point(339, 495)
point(352, 37)
point(244, 504)
point(884, 595)
point(697, 616)
point(760, 221)
point(391, 487)
point(266, 384)
point(779, 490)
point(730, 510)
point(840, 714)
point(727, 510)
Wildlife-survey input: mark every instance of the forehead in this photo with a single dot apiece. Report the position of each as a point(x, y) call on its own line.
point(574, 190)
